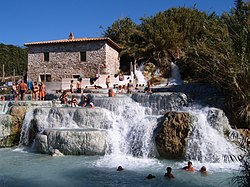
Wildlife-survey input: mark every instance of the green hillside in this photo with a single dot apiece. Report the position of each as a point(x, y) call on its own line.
point(13, 58)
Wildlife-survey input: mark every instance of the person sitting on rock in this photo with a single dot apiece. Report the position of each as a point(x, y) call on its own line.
point(63, 98)
point(87, 101)
point(111, 93)
point(169, 173)
point(73, 101)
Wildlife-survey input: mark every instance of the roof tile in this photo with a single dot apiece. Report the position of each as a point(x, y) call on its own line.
point(111, 42)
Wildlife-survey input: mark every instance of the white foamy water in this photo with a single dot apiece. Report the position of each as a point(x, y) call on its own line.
point(139, 75)
point(208, 141)
point(4, 107)
point(175, 78)
point(131, 132)
point(130, 128)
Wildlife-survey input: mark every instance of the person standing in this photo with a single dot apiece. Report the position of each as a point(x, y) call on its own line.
point(108, 81)
point(79, 86)
point(15, 91)
point(23, 88)
point(149, 90)
point(71, 86)
point(130, 87)
point(35, 91)
point(42, 91)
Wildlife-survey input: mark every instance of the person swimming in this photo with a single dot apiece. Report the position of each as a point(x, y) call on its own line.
point(203, 170)
point(150, 176)
point(189, 167)
point(120, 168)
point(169, 173)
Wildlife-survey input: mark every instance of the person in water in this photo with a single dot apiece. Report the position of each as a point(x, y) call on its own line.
point(120, 168)
point(150, 176)
point(189, 167)
point(111, 93)
point(169, 173)
point(203, 170)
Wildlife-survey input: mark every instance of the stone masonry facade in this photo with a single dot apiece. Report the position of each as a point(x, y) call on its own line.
point(101, 56)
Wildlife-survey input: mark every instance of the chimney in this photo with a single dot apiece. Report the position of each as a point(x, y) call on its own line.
point(71, 36)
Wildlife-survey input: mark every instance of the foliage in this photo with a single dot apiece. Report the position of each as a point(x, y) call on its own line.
point(222, 56)
point(121, 31)
point(13, 58)
point(207, 48)
point(243, 179)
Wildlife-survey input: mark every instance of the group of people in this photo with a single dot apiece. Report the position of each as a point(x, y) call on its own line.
point(189, 168)
point(85, 101)
point(169, 173)
point(38, 91)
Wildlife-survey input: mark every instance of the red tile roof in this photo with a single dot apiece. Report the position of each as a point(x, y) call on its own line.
point(108, 40)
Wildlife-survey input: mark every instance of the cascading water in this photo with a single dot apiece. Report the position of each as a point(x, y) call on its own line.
point(130, 144)
point(175, 78)
point(4, 106)
point(130, 138)
point(208, 141)
point(132, 130)
point(139, 75)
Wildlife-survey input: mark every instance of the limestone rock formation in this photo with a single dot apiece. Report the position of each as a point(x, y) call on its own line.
point(172, 134)
point(10, 126)
point(72, 141)
point(5, 130)
point(160, 103)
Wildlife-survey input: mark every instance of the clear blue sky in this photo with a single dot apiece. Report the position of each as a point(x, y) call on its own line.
point(25, 21)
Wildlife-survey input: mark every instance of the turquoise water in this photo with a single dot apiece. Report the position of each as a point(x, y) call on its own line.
point(23, 169)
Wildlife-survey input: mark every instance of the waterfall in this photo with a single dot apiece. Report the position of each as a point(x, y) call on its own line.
point(139, 75)
point(209, 140)
point(129, 128)
point(4, 107)
point(131, 132)
point(38, 119)
point(175, 78)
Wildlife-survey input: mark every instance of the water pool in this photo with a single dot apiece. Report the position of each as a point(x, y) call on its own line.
point(25, 169)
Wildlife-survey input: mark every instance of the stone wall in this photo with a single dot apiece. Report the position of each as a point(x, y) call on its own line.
point(112, 59)
point(64, 60)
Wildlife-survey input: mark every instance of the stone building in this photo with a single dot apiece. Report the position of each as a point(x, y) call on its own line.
point(51, 61)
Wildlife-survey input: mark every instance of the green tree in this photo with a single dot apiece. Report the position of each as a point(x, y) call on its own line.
point(168, 34)
point(121, 32)
point(13, 58)
point(221, 57)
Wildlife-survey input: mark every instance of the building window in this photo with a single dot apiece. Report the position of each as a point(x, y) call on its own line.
point(83, 56)
point(45, 77)
point(76, 76)
point(46, 57)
